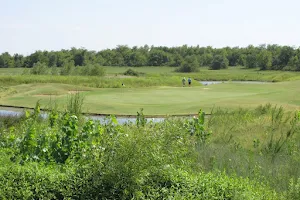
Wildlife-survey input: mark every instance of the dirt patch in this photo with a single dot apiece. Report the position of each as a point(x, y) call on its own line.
point(44, 95)
point(120, 76)
point(76, 91)
point(206, 88)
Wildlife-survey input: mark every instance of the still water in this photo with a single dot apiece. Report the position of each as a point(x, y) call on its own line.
point(102, 119)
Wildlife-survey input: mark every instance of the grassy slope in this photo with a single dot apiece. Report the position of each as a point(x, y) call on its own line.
point(160, 100)
point(232, 73)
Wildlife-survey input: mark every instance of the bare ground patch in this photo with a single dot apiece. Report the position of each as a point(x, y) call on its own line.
point(76, 91)
point(45, 95)
point(119, 76)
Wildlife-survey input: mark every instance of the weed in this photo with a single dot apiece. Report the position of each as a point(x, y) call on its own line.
point(75, 103)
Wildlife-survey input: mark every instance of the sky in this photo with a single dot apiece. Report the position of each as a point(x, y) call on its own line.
point(30, 25)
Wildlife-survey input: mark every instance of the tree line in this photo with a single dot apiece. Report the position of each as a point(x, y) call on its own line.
point(187, 58)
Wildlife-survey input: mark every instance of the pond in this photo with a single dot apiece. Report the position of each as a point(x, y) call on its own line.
point(102, 119)
point(242, 82)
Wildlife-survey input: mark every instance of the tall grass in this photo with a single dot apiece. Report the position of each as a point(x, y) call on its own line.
point(232, 73)
point(97, 82)
point(260, 144)
point(224, 156)
point(75, 103)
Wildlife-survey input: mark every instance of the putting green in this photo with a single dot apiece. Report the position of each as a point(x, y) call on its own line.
point(158, 100)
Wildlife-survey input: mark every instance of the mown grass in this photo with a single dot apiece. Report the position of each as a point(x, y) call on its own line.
point(158, 100)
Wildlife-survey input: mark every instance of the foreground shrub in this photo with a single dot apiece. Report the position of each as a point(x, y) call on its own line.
point(69, 157)
point(35, 181)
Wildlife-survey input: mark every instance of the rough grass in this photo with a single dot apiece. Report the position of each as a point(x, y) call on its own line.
point(232, 73)
point(109, 70)
point(96, 82)
point(242, 144)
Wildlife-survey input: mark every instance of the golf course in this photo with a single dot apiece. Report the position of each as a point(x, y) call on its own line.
point(246, 147)
point(150, 100)
point(160, 100)
point(157, 95)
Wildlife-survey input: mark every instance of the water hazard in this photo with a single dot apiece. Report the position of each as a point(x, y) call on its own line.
point(241, 82)
point(101, 119)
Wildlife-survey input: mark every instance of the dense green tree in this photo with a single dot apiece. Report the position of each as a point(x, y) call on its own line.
point(108, 56)
point(37, 56)
point(294, 63)
point(63, 57)
point(219, 62)
point(19, 61)
point(251, 61)
point(234, 56)
point(286, 53)
point(137, 59)
point(264, 60)
point(78, 56)
point(52, 59)
point(177, 60)
point(241, 60)
point(206, 59)
point(158, 58)
point(6, 60)
point(261, 56)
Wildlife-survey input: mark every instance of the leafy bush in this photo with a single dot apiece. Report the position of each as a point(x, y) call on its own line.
point(91, 70)
point(68, 68)
point(190, 64)
point(131, 72)
point(69, 157)
point(39, 69)
point(294, 189)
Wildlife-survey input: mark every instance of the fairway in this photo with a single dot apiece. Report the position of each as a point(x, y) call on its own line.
point(157, 100)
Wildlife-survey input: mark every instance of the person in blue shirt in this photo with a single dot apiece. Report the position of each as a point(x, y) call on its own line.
point(189, 81)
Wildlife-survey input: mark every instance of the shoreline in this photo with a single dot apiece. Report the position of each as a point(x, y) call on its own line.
point(20, 108)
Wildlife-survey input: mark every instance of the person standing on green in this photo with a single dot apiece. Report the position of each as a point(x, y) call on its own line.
point(190, 81)
point(183, 82)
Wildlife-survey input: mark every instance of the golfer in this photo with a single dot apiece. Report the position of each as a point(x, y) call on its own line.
point(183, 82)
point(189, 81)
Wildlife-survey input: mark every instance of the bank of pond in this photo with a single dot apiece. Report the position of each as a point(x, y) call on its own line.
point(101, 118)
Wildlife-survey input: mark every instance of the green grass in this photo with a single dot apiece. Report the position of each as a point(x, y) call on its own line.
point(239, 73)
point(11, 71)
point(109, 70)
point(147, 70)
point(232, 73)
point(159, 100)
point(96, 82)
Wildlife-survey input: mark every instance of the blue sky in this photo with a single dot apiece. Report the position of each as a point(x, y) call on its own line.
point(27, 26)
